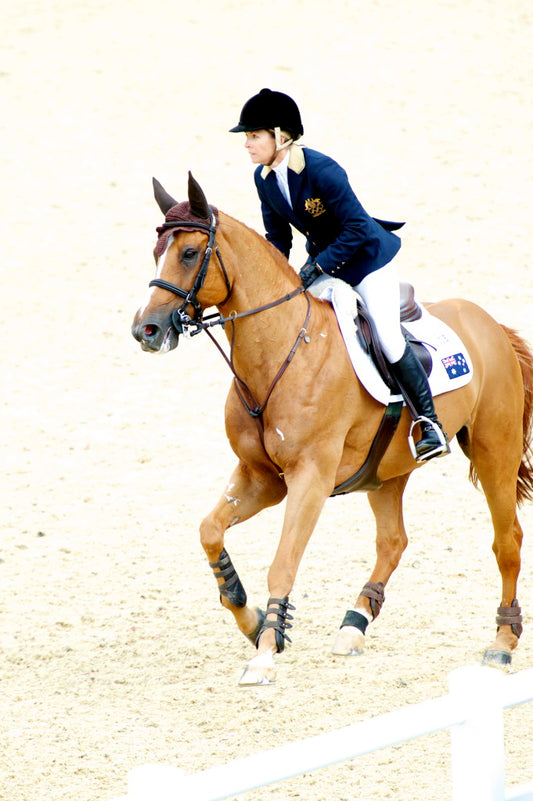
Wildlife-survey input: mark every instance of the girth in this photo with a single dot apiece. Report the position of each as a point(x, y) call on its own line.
point(366, 477)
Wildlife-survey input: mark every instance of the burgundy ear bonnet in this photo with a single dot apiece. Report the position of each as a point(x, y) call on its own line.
point(193, 210)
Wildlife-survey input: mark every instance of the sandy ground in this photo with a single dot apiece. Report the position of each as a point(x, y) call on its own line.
point(115, 651)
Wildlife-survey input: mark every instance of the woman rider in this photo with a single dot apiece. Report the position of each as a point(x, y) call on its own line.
point(306, 189)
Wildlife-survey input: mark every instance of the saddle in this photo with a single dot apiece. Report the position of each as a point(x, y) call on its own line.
point(368, 339)
point(365, 478)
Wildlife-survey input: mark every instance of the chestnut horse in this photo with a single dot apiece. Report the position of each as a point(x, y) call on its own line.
point(300, 422)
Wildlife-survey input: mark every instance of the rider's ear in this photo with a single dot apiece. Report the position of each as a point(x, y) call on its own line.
point(197, 200)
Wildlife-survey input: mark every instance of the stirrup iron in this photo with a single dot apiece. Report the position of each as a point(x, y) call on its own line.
point(442, 449)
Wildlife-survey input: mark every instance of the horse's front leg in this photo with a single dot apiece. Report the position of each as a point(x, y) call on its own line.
point(391, 541)
point(306, 495)
point(247, 492)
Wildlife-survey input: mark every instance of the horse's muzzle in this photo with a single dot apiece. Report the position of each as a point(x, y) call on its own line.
point(154, 337)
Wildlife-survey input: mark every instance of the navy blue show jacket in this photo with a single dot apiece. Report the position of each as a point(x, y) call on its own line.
point(341, 236)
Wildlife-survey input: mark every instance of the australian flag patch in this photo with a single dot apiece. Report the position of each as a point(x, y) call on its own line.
point(455, 365)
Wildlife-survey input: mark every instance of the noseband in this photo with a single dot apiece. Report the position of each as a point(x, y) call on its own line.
point(181, 320)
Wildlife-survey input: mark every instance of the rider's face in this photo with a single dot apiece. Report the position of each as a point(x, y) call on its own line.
point(261, 146)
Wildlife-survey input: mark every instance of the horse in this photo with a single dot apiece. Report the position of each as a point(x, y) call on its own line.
point(301, 423)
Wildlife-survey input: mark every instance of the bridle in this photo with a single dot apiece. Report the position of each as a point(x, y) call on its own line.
point(181, 320)
point(190, 326)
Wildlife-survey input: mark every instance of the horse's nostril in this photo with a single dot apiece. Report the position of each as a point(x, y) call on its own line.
point(149, 330)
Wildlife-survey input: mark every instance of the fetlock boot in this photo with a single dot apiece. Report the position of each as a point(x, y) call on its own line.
point(412, 381)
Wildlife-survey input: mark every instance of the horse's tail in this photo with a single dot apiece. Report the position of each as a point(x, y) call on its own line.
point(524, 354)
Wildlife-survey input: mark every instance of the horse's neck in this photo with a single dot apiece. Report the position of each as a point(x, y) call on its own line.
point(259, 273)
point(259, 276)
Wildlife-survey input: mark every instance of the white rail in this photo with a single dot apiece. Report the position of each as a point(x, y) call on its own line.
point(473, 711)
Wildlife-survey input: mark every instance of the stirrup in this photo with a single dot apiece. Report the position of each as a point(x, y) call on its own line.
point(442, 449)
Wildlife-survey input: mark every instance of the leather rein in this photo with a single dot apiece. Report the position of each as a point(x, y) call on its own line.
point(190, 326)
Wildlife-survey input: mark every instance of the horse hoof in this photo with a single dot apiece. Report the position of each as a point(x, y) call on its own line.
point(349, 642)
point(496, 658)
point(259, 671)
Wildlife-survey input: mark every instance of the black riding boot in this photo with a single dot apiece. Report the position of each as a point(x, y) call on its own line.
point(413, 383)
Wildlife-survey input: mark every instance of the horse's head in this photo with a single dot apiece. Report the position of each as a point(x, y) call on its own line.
point(183, 285)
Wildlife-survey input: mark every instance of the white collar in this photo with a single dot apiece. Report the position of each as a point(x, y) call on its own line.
point(295, 162)
point(282, 168)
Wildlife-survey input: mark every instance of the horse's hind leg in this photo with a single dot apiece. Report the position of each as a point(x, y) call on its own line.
point(247, 492)
point(506, 546)
point(391, 541)
point(496, 459)
point(509, 615)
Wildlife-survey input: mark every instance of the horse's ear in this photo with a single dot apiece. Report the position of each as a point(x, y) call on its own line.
point(164, 200)
point(197, 200)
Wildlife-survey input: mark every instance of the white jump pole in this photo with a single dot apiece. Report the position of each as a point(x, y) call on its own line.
point(473, 710)
point(477, 743)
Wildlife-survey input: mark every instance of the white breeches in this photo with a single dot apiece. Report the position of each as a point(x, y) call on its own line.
point(380, 291)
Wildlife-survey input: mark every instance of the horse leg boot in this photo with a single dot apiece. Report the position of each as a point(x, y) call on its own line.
point(412, 381)
point(247, 493)
point(309, 484)
point(230, 587)
point(391, 542)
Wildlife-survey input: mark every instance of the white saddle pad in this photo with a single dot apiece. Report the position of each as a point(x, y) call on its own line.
point(452, 366)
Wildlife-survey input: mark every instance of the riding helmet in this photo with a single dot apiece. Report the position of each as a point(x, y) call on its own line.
point(268, 110)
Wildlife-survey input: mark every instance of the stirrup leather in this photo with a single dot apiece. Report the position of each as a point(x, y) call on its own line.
point(441, 449)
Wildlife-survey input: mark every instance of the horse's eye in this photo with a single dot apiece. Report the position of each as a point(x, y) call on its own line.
point(189, 255)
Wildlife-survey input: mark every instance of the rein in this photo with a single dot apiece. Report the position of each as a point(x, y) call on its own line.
point(190, 326)
point(247, 399)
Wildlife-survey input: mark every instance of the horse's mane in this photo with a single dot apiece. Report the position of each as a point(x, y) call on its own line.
point(227, 221)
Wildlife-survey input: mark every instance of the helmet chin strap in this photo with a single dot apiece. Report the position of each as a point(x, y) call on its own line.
point(279, 145)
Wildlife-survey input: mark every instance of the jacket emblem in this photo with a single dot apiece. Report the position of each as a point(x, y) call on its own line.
point(314, 206)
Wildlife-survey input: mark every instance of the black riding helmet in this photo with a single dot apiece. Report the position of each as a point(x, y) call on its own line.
point(269, 110)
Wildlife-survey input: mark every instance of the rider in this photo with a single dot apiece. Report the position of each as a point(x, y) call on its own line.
point(306, 189)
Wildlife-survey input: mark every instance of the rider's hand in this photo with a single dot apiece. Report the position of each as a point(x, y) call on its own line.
point(309, 273)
